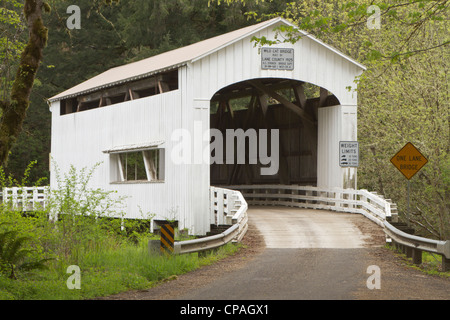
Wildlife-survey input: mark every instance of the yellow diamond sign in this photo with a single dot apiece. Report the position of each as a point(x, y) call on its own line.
point(409, 160)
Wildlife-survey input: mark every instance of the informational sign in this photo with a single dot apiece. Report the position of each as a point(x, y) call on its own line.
point(409, 160)
point(349, 153)
point(277, 59)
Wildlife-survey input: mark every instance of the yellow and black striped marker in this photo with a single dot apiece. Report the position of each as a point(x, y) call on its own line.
point(167, 239)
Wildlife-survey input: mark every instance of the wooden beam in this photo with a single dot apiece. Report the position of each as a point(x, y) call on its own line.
point(323, 97)
point(264, 103)
point(296, 109)
point(118, 90)
point(250, 112)
point(230, 110)
point(162, 86)
point(243, 90)
point(300, 95)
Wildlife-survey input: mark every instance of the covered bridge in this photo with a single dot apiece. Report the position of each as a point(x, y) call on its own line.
point(148, 122)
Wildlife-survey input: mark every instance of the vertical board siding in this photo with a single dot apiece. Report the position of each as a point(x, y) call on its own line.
point(241, 61)
point(78, 139)
point(336, 124)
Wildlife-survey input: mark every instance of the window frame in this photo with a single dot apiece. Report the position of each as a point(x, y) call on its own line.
point(154, 164)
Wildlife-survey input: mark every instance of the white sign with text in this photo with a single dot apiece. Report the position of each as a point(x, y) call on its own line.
point(277, 59)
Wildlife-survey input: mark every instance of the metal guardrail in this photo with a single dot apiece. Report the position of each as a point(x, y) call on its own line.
point(227, 207)
point(414, 245)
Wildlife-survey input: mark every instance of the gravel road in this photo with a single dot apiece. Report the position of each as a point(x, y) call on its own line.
point(294, 254)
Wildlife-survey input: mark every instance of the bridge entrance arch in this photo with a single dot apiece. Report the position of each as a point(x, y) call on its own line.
point(273, 124)
point(306, 90)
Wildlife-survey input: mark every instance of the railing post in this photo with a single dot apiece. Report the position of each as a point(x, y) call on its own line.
point(212, 209)
point(416, 256)
point(445, 264)
point(35, 197)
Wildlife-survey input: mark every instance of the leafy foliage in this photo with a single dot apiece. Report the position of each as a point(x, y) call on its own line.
point(14, 254)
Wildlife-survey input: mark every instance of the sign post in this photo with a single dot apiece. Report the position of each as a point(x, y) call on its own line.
point(409, 161)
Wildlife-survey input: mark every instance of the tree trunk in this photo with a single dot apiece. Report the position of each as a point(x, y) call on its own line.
point(14, 110)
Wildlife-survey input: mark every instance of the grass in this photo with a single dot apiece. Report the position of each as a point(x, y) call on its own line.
point(112, 253)
point(106, 271)
point(431, 263)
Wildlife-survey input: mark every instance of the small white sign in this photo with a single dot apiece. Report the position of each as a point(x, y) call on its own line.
point(277, 59)
point(349, 153)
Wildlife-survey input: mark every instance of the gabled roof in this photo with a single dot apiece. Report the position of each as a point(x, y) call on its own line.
point(176, 58)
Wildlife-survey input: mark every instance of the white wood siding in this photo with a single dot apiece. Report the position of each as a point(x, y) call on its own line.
point(79, 138)
point(241, 61)
point(337, 123)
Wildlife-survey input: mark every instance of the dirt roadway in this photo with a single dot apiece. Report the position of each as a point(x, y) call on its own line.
point(308, 271)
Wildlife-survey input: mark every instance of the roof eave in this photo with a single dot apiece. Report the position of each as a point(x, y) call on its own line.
point(115, 83)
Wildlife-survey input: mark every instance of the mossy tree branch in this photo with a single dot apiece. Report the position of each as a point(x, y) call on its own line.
point(14, 110)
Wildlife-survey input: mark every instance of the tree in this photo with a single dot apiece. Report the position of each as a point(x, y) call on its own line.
point(14, 107)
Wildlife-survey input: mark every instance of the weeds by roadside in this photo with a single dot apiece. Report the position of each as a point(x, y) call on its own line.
point(431, 263)
point(79, 226)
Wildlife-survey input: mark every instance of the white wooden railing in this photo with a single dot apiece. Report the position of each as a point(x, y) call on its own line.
point(369, 204)
point(373, 206)
point(25, 198)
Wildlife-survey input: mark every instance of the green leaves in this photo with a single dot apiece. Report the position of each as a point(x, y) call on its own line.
point(14, 254)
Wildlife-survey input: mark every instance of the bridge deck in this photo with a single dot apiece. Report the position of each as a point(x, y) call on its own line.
point(284, 227)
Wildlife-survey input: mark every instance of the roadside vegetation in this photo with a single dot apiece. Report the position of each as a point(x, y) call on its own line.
point(76, 228)
point(431, 263)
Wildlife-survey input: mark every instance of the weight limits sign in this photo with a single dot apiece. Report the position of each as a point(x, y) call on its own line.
point(349, 153)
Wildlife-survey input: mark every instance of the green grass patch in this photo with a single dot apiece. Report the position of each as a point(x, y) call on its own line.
point(105, 272)
point(431, 263)
point(82, 227)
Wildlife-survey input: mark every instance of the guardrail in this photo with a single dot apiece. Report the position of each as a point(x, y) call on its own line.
point(413, 245)
point(371, 205)
point(228, 207)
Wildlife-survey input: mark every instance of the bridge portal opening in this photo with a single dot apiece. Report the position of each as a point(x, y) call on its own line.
point(258, 107)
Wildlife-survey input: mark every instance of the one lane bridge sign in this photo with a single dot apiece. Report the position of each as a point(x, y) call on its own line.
point(409, 160)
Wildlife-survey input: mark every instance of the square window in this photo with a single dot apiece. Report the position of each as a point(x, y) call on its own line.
point(146, 165)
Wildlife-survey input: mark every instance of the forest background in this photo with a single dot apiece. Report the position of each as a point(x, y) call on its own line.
point(403, 96)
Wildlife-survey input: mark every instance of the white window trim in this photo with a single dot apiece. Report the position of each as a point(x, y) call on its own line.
point(143, 148)
point(136, 147)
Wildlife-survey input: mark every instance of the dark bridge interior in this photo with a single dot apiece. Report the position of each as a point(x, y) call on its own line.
point(287, 105)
